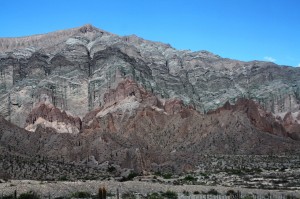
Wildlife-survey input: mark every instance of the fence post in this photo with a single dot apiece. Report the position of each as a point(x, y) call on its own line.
point(117, 193)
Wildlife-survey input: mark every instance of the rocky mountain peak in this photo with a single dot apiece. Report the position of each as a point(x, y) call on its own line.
point(140, 104)
point(88, 28)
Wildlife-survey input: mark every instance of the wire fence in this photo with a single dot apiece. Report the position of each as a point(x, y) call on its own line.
point(238, 195)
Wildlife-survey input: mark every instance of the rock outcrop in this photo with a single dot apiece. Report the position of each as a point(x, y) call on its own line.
point(72, 69)
point(139, 104)
point(49, 116)
point(291, 122)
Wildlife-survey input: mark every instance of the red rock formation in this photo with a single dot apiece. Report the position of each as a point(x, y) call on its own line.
point(292, 126)
point(261, 119)
point(288, 119)
point(173, 106)
point(51, 114)
point(132, 93)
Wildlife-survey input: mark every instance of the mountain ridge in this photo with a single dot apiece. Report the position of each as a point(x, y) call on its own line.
point(202, 77)
point(140, 104)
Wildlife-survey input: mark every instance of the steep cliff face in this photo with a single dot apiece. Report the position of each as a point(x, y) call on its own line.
point(84, 92)
point(135, 129)
point(72, 70)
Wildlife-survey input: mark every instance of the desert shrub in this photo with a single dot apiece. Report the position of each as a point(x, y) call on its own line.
point(230, 192)
point(291, 197)
point(154, 196)
point(128, 195)
point(81, 194)
point(170, 194)
point(213, 192)
point(8, 197)
point(129, 177)
point(63, 178)
point(190, 178)
point(111, 169)
point(186, 193)
point(234, 171)
point(249, 196)
point(166, 175)
point(29, 195)
point(110, 194)
point(205, 175)
point(132, 175)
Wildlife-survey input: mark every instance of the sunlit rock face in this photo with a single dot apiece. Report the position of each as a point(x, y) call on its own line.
point(141, 104)
point(72, 69)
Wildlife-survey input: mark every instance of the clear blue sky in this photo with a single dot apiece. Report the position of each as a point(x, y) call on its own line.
point(237, 29)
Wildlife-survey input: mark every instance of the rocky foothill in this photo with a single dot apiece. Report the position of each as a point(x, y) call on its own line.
point(87, 104)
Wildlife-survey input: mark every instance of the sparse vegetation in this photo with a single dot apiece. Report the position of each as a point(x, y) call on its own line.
point(230, 192)
point(248, 197)
point(63, 178)
point(8, 197)
point(167, 175)
point(213, 192)
point(170, 195)
point(29, 195)
point(130, 176)
point(196, 193)
point(186, 193)
point(154, 195)
point(81, 194)
point(111, 169)
point(128, 195)
point(164, 175)
point(190, 178)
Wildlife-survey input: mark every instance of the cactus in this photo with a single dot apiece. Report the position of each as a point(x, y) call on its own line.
point(102, 193)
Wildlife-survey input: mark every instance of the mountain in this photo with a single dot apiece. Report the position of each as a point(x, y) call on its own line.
point(85, 92)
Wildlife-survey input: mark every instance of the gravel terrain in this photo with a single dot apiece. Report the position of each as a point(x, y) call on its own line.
point(56, 189)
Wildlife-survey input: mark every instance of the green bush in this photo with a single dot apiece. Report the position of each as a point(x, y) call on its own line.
point(230, 192)
point(190, 178)
point(129, 177)
point(81, 194)
point(63, 178)
point(205, 175)
point(164, 175)
point(213, 192)
point(186, 193)
point(128, 195)
point(167, 176)
point(248, 197)
point(291, 197)
point(29, 195)
point(154, 196)
point(8, 197)
point(196, 192)
point(170, 194)
point(132, 175)
point(111, 169)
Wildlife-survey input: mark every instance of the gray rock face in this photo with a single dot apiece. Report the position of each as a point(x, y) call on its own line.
point(72, 69)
